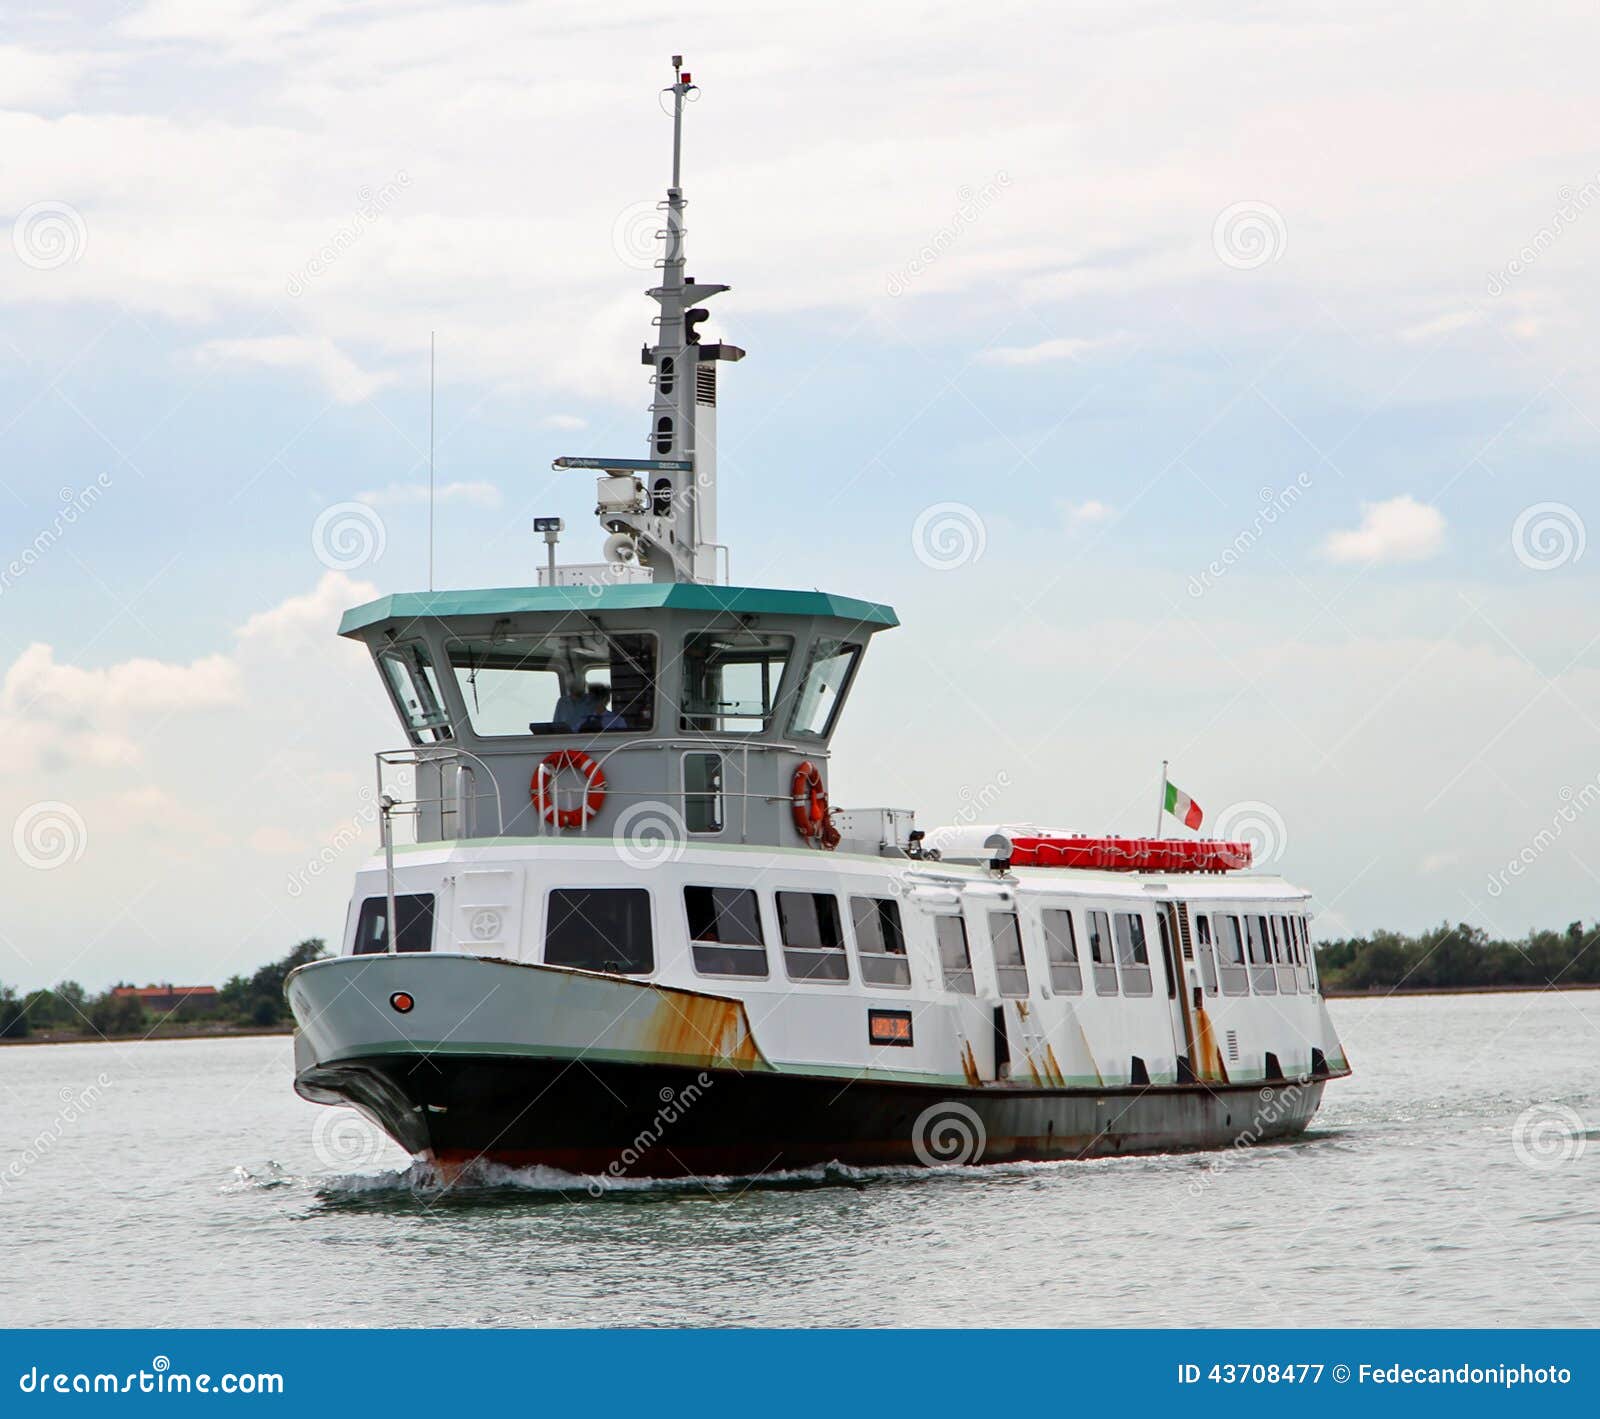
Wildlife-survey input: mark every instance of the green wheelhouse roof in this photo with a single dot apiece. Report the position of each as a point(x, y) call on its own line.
point(683, 596)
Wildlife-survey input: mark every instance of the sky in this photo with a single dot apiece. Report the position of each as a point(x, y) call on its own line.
point(1199, 382)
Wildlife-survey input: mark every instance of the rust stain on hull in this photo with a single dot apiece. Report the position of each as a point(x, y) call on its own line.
point(1056, 1074)
point(969, 1064)
point(704, 1029)
point(1208, 1063)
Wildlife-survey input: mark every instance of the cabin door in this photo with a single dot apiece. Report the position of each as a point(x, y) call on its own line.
point(1177, 962)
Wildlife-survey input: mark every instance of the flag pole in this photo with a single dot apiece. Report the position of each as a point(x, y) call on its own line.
point(1161, 802)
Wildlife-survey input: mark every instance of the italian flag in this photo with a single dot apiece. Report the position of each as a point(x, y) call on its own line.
point(1182, 807)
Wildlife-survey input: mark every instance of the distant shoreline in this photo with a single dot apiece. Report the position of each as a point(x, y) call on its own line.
point(1378, 992)
point(169, 1032)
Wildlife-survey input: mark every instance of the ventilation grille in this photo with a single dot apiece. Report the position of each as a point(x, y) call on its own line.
point(705, 384)
point(1233, 1045)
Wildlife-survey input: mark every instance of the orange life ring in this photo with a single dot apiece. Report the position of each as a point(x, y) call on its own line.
point(543, 790)
point(809, 802)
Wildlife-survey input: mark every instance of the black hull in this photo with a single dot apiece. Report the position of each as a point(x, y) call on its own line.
point(647, 1120)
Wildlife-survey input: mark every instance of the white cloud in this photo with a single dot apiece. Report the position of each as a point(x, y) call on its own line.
point(341, 376)
point(1045, 352)
point(1086, 513)
point(1397, 530)
point(569, 423)
point(484, 495)
point(1446, 324)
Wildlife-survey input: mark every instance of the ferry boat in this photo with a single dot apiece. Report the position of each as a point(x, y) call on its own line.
point(628, 932)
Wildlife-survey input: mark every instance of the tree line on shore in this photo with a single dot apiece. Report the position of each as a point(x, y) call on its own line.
point(1460, 957)
point(68, 1009)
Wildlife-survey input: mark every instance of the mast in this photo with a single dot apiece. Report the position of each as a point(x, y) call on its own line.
point(661, 511)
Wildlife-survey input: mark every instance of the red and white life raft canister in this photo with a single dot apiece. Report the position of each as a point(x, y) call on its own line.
point(1131, 854)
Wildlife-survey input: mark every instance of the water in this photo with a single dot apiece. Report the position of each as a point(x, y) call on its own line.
point(190, 1186)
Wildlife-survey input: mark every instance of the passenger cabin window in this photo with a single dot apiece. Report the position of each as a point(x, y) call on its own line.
point(702, 793)
point(880, 941)
point(725, 936)
point(821, 694)
point(600, 929)
point(413, 914)
point(1061, 950)
point(955, 960)
point(1230, 944)
point(1105, 965)
point(415, 686)
point(813, 939)
point(1005, 939)
point(585, 682)
point(1262, 979)
point(730, 681)
point(1207, 952)
point(1283, 956)
point(1133, 954)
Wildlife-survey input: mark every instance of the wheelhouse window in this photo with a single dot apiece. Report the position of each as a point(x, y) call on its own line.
point(827, 678)
point(731, 680)
point(880, 941)
point(702, 793)
point(812, 936)
point(580, 682)
point(1230, 945)
point(725, 936)
point(1105, 965)
point(409, 670)
point(955, 960)
point(1133, 954)
point(413, 914)
point(1262, 979)
point(1005, 940)
point(600, 929)
point(1061, 950)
